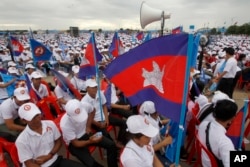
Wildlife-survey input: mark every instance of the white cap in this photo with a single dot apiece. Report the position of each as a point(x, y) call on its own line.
point(29, 66)
point(76, 111)
point(13, 70)
point(75, 69)
point(21, 94)
point(36, 75)
point(28, 111)
point(91, 83)
point(201, 100)
point(218, 95)
point(11, 64)
point(148, 107)
point(139, 124)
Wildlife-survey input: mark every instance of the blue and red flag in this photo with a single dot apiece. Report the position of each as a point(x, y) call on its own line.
point(153, 71)
point(66, 85)
point(140, 36)
point(235, 131)
point(16, 46)
point(177, 30)
point(39, 51)
point(92, 56)
point(115, 46)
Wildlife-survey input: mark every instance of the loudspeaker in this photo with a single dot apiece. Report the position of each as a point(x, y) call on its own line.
point(149, 15)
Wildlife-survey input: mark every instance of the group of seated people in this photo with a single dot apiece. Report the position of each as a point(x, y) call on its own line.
point(83, 122)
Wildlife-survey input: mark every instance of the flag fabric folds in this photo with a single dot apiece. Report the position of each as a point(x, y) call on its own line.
point(39, 51)
point(17, 47)
point(177, 30)
point(66, 85)
point(92, 56)
point(153, 71)
point(115, 46)
point(234, 132)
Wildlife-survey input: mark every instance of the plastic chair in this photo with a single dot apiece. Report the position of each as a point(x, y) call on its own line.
point(202, 148)
point(11, 149)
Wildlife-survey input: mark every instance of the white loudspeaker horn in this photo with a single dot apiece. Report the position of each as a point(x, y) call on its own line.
point(149, 15)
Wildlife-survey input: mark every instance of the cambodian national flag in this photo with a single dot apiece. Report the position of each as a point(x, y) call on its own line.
point(92, 56)
point(177, 30)
point(115, 46)
point(39, 51)
point(153, 71)
point(140, 36)
point(235, 132)
point(16, 46)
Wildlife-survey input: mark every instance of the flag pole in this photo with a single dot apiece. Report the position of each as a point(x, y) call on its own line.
point(243, 125)
point(97, 73)
point(184, 99)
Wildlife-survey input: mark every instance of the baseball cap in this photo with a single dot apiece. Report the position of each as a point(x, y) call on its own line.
point(139, 124)
point(75, 69)
point(21, 94)
point(35, 75)
point(13, 70)
point(28, 111)
point(91, 83)
point(29, 66)
point(76, 111)
point(11, 64)
point(147, 107)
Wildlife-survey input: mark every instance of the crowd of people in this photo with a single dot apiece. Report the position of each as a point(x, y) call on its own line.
point(86, 121)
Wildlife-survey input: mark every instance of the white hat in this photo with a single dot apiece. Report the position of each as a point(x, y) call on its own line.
point(28, 111)
point(21, 94)
point(139, 124)
point(76, 111)
point(218, 95)
point(148, 107)
point(201, 100)
point(75, 69)
point(91, 83)
point(11, 64)
point(36, 75)
point(13, 70)
point(212, 64)
point(29, 66)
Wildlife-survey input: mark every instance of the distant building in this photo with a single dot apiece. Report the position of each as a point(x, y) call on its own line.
point(74, 31)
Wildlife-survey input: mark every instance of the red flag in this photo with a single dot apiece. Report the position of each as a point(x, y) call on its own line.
point(140, 36)
point(177, 30)
point(16, 46)
point(153, 72)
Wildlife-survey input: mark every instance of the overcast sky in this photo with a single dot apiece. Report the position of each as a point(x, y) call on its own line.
point(116, 14)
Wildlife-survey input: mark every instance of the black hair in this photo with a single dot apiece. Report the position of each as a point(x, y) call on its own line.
point(196, 89)
point(241, 56)
point(225, 110)
point(230, 51)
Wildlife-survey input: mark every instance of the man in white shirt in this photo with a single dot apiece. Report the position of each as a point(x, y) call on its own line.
point(78, 83)
point(214, 133)
point(9, 120)
point(228, 73)
point(38, 144)
point(75, 125)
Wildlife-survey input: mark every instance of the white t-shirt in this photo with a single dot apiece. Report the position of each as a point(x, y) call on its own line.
point(3, 92)
point(31, 145)
point(220, 144)
point(79, 84)
point(96, 103)
point(8, 110)
point(231, 68)
point(61, 94)
point(136, 156)
point(42, 91)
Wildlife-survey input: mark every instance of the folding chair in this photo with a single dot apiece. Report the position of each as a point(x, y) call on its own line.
point(202, 148)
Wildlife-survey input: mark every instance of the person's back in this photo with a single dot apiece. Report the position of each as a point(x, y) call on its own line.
point(214, 133)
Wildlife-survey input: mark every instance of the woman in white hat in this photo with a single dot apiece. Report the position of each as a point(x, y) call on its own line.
point(139, 151)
